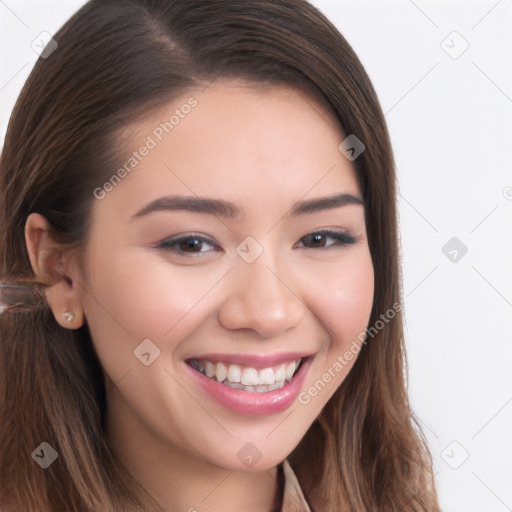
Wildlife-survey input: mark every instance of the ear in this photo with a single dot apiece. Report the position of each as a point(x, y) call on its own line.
point(58, 269)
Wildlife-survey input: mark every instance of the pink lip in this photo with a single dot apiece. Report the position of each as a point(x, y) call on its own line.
point(254, 360)
point(251, 402)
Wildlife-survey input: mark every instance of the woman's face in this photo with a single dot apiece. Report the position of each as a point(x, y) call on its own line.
point(239, 287)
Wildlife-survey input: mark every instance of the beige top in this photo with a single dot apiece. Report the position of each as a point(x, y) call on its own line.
point(293, 498)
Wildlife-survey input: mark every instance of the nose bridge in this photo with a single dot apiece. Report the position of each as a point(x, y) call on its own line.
point(261, 299)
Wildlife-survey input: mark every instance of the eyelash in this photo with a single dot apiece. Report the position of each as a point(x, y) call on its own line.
point(169, 244)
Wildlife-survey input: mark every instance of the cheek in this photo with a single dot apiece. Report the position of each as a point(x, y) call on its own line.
point(147, 298)
point(344, 297)
point(342, 306)
point(140, 298)
point(134, 299)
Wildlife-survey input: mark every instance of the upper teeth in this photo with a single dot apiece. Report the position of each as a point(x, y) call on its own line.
point(247, 375)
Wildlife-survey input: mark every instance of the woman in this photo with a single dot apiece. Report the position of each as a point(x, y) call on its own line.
point(202, 196)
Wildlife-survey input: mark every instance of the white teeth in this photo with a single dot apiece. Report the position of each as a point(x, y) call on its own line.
point(234, 373)
point(249, 377)
point(258, 389)
point(266, 376)
point(290, 370)
point(280, 374)
point(276, 385)
point(209, 369)
point(220, 372)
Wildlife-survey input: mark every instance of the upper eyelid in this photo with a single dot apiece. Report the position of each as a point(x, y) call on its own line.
point(324, 231)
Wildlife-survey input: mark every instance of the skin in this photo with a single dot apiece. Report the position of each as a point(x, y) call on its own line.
point(240, 143)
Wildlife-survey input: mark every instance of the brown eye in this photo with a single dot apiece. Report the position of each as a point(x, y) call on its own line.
point(318, 239)
point(189, 244)
point(192, 244)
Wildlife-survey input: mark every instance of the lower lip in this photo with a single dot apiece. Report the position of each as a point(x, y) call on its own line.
point(252, 402)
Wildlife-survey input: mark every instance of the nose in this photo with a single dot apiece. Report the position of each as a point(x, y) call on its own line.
point(261, 299)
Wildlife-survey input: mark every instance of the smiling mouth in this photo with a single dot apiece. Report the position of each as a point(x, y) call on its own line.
point(248, 378)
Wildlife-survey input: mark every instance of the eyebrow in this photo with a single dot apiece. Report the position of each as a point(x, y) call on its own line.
point(226, 209)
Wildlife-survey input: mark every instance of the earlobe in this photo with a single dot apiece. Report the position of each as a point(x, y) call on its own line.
point(70, 319)
point(48, 264)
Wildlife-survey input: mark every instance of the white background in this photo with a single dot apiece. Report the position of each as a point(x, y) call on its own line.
point(450, 120)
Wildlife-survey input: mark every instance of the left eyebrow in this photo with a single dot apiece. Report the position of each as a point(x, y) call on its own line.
point(227, 209)
point(324, 203)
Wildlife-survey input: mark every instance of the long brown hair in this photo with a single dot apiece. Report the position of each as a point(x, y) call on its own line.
point(116, 61)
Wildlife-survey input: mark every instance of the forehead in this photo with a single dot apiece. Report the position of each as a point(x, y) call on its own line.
point(238, 141)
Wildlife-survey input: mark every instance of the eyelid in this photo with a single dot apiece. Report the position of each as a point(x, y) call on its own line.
point(185, 236)
point(343, 238)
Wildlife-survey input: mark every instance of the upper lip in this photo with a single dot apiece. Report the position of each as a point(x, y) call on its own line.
point(253, 360)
